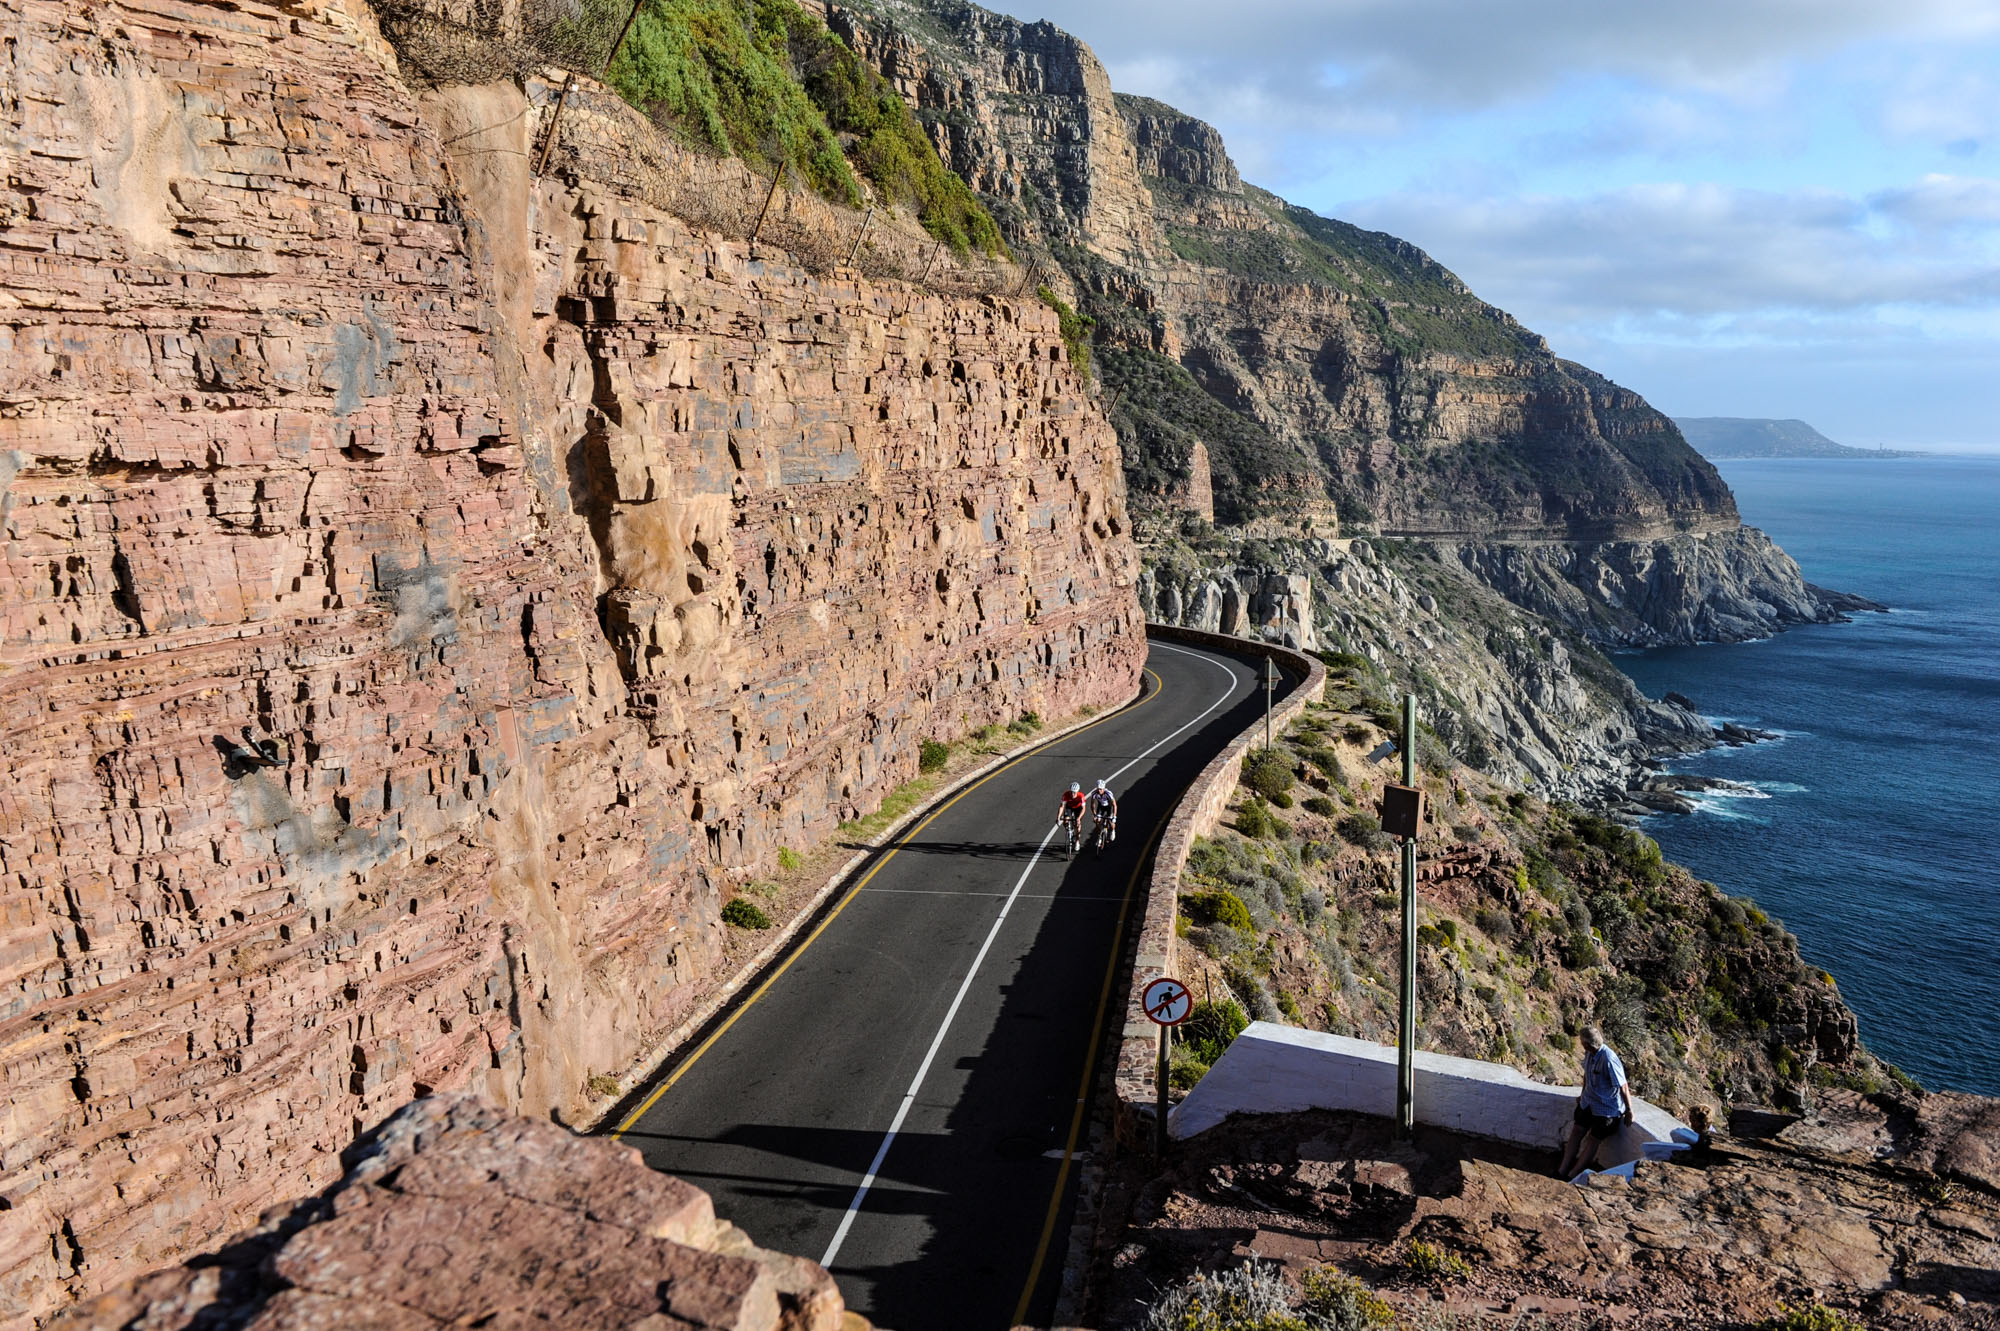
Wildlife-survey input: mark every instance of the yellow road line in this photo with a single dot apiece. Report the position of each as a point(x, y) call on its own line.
point(855, 891)
point(1089, 1069)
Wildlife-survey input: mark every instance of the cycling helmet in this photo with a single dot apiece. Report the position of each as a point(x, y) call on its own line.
point(1100, 783)
point(1074, 787)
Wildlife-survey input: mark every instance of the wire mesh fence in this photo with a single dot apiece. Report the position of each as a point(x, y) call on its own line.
point(583, 131)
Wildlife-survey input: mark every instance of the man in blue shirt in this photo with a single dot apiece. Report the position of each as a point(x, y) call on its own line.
point(1605, 1104)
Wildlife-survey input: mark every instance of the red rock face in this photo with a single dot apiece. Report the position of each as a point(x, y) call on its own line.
point(455, 1214)
point(560, 565)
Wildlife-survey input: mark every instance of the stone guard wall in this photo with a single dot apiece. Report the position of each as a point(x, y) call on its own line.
point(1199, 812)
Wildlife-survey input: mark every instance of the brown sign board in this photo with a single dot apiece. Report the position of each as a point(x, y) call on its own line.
point(1402, 811)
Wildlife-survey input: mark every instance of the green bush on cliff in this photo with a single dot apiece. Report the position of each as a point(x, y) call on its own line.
point(1365, 831)
point(1209, 1029)
point(1809, 1317)
point(1255, 821)
point(1075, 329)
point(932, 755)
point(1219, 907)
point(1343, 1303)
point(1269, 773)
point(765, 81)
point(745, 914)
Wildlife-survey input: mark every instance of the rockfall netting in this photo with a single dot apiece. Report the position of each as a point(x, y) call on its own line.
point(582, 130)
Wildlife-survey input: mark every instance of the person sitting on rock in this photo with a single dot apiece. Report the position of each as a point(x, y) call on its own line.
point(1604, 1105)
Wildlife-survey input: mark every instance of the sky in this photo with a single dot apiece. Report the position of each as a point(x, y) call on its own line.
point(1782, 208)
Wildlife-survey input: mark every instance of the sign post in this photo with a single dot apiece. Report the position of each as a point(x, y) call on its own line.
point(1167, 1002)
point(1406, 1027)
point(1270, 682)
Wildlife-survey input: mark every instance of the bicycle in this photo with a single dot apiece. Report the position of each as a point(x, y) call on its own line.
point(1070, 823)
point(1100, 835)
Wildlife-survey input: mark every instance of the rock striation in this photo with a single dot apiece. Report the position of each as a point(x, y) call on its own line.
point(427, 590)
point(1334, 379)
point(1525, 698)
point(456, 1213)
point(1723, 586)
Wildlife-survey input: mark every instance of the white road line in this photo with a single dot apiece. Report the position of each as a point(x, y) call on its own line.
point(965, 985)
point(940, 892)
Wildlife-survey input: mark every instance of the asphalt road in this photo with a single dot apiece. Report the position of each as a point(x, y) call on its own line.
point(901, 1095)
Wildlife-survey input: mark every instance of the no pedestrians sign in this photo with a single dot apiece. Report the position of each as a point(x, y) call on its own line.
point(1167, 1002)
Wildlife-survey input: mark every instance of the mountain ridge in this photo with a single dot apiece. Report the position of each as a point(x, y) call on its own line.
point(1728, 437)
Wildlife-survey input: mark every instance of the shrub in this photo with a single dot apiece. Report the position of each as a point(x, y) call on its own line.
point(1342, 1303)
point(931, 756)
point(1327, 761)
point(766, 81)
point(1428, 1261)
point(1355, 733)
point(1281, 800)
point(1364, 830)
point(1497, 925)
point(1344, 663)
point(1268, 772)
point(745, 914)
point(1219, 907)
point(1254, 820)
point(1075, 329)
point(1210, 1027)
point(1580, 950)
point(603, 1083)
point(1321, 805)
point(1252, 1297)
point(1809, 1317)
point(789, 860)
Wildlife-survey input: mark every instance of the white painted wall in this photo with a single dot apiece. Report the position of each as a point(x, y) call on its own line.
point(1272, 1069)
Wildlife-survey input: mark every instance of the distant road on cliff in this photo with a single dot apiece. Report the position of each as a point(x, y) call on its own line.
point(955, 997)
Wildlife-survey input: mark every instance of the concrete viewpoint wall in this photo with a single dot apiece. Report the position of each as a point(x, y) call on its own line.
point(1199, 812)
point(1271, 1069)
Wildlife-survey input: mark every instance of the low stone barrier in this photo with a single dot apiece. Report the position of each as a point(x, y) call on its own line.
point(1271, 1069)
point(1199, 812)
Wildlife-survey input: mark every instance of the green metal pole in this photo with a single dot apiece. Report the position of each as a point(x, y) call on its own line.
point(1406, 1029)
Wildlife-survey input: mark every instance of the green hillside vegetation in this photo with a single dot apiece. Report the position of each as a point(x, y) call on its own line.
point(765, 81)
point(1161, 413)
point(1413, 303)
point(1546, 918)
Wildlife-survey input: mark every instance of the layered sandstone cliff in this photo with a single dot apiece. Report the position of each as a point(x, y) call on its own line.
point(426, 589)
point(1284, 374)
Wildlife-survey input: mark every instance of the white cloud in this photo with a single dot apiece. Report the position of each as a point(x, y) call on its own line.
point(1453, 55)
point(1940, 202)
point(1703, 259)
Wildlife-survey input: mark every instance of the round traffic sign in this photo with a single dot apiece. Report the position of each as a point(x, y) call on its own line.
point(1167, 1002)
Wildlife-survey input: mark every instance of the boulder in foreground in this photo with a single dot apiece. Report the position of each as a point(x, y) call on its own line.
point(457, 1213)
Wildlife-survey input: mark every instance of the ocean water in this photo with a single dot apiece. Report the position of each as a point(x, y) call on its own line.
point(1872, 828)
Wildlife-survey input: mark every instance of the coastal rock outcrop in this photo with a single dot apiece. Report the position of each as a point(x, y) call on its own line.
point(1720, 586)
point(1523, 698)
point(428, 590)
point(456, 1213)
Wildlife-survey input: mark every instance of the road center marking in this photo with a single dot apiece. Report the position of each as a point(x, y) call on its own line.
point(965, 985)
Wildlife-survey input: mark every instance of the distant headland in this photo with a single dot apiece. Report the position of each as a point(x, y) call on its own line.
point(1720, 437)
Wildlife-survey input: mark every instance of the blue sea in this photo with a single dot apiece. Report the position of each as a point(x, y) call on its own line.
point(1872, 828)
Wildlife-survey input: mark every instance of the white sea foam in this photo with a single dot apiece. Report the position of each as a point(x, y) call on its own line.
point(1719, 804)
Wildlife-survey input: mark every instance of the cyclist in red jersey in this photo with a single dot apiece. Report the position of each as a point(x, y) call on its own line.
point(1071, 808)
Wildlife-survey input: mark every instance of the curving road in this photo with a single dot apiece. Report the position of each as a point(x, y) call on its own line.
point(901, 1096)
